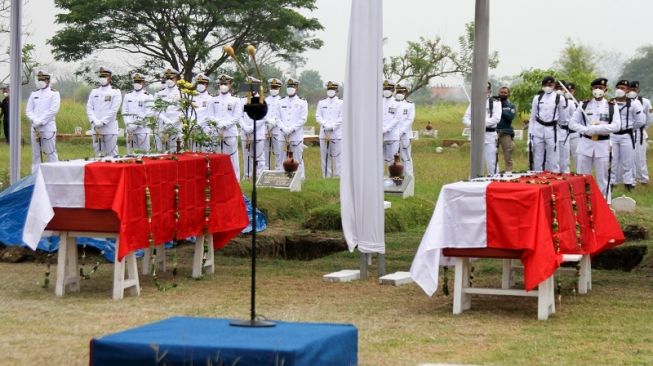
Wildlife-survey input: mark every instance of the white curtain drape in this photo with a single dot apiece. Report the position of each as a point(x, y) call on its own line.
point(361, 181)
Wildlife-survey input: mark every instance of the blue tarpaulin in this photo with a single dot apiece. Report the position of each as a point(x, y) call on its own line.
point(14, 207)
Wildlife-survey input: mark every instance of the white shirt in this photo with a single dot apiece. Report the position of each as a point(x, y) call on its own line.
point(390, 119)
point(329, 115)
point(226, 111)
point(135, 107)
point(599, 123)
point(102, 108)
point(406, 117)
point(632, 117)
point(545, 107)
point(247, 125)
point(42, 108)
point(292, 113)
point(202, 102)
point(170, 116)
point(491, 120)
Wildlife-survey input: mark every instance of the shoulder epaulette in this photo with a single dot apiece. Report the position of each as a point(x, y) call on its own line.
point(54, 90)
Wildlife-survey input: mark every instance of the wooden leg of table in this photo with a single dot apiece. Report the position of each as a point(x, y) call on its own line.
point(506, 274)
point(60, 284)
point(584, 280)
point(210, 256)
point(72, 266)
point(544, 299)
point(467, 272)
point(364, 258)
point(380, 264)
point(197, 256)
point(458, 286)
point(118, 276)
point(146, 264)
point(132, 281)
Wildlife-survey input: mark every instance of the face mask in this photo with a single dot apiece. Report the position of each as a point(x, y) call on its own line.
point(387, 93)
point(170, 83)
point(400, 97)
point(291, 91)
point(42, 84)
point(560, 92)
point(503, 97)
point(224, 89)
point(632, 94)
point(331, 93)
point(104, 81)
point(568, 96)
point(547, 89)
point(201, 88)
point(138, 86)
point(274, 92)
point(619, 93)
point(598, 93)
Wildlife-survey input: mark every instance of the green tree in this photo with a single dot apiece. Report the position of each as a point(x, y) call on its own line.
point(426, 59)
point(640, 68)
point(311, 86)
point(186, 34)
point(529, 85)
point(577, 64)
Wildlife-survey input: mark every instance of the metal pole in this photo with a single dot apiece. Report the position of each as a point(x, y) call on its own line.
point(15, 71)
point(479, 84)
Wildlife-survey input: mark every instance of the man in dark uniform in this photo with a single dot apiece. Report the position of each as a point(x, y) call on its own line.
point(506, 132)
point(4, 107)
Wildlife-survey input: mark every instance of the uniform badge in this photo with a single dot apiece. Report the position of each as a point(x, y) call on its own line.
point(405, 111)
point(604, 117)
point(204, 103)
point(391, 110)
point(140, 103)
point(229, 107)
point(107, 98)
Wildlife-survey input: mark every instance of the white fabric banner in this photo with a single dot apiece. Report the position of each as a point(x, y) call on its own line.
point(57, 184)
point(361, 180)
point(459, 221)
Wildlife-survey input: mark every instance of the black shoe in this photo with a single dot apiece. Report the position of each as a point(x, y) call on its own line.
point(629, 187)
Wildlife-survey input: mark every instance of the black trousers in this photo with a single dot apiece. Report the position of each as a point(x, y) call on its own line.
point(5, 125)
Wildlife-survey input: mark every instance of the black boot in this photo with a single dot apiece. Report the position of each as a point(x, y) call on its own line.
point(629, 187)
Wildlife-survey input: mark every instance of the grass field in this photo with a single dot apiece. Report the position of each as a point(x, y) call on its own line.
point(613, 325)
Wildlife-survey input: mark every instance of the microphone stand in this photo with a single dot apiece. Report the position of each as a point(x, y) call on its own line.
point(256, 109)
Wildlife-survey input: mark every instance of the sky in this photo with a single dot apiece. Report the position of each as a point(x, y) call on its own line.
point(527, 34)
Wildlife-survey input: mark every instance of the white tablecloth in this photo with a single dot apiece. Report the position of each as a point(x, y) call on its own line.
point(459, 221)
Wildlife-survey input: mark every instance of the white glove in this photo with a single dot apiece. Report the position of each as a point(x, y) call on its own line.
point(221, 124)
point(131, 128)
point(37, 123)
point(248, 130)
point(591, 131)
point(287, 130)
point(271, 123)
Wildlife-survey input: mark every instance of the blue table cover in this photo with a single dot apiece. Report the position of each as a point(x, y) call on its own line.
point(210, 341)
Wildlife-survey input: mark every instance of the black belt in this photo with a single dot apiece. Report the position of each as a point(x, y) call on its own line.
point(599, 137)
point(490, 129)
point(623, 132)
point(546, 124)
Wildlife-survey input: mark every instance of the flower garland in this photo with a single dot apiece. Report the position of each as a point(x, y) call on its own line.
point(207, 208)
point(555, 225)
point(588, 197)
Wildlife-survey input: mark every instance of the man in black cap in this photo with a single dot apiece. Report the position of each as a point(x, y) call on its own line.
point(595, 120)
point(641, 168)
point(547, 109)
point(623, 141)
point(42, 108)
point(102, 111)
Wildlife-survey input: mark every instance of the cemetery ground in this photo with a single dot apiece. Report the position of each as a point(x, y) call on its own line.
point(612, 325)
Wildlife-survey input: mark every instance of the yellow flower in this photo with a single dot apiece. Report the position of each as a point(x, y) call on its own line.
point(180, 82)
